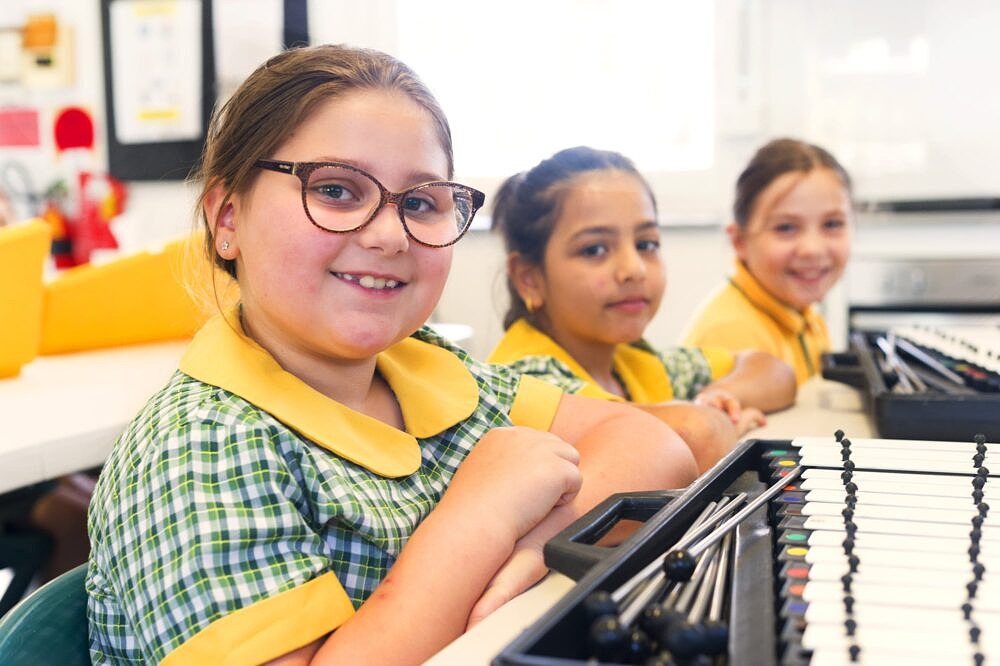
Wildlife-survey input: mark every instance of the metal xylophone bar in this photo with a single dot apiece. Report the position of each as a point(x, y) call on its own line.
point(918, 572)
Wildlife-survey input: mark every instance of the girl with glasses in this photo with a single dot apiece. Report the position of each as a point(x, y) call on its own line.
point(586, 277)
point(324, 479)
point(792, 237)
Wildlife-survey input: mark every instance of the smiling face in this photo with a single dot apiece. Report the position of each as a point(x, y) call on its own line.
point(312, 296)
point(798, 238)
point(603, 277)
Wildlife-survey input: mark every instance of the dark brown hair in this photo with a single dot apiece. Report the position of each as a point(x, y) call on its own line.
point(271, 103)
point(775, 159)
point(527, 205)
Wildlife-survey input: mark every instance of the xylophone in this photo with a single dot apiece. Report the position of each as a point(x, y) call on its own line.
point(925, 382)
point(833, 551)
point(950, 357)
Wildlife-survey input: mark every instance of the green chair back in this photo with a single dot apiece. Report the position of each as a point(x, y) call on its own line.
point(50, 625)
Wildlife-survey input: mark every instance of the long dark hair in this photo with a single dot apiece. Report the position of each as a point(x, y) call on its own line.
point(527, 205)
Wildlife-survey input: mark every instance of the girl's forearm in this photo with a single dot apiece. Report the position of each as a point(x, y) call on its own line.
point(428, 594)
point(760, 380)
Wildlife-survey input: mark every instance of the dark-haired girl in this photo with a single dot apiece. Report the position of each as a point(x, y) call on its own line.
point(585, 277)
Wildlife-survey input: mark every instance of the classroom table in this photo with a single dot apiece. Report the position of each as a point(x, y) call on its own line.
point(821, 408)
point(63, 413)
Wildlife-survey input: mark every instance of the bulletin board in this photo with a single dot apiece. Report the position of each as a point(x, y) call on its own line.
point(159, 82)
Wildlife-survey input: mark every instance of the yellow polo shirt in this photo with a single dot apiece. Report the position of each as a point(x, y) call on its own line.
point(647, 375)
point(741, 314)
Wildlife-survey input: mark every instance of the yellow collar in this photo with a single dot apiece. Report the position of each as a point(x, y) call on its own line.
point(641, 371)
point(788, 318)
point(434, 389)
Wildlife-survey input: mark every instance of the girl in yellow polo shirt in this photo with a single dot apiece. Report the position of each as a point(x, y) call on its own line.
point(792, 237)
point(585, 278)
point(319, 468)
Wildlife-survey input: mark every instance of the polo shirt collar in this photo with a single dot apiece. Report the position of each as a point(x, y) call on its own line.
point(434, 389)
point(788, 318)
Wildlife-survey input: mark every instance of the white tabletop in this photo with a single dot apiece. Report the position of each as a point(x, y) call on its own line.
point(821, 408)
point(63, 413)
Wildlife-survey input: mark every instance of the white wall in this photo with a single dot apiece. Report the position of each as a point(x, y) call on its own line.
point(901, 90)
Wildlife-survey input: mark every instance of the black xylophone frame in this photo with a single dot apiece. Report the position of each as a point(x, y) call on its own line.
point(923, 415)
point(559, 636)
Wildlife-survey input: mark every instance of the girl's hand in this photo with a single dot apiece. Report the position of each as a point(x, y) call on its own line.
point(750, 418)
point(744, 419)
point(722, 400)
point(514, 477)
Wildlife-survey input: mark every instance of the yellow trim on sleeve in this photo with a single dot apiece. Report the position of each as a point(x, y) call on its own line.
point(269, 628)
point(535, 404)
point(721, 361)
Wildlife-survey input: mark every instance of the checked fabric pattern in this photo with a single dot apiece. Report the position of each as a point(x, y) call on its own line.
point(209, 504)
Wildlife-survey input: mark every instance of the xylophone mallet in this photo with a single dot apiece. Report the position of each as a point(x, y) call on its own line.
point(679, 564)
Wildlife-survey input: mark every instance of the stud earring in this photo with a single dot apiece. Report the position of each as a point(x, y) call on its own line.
point(225, 245)
point(529, 304)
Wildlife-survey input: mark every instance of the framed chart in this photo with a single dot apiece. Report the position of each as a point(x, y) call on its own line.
point(159, 73)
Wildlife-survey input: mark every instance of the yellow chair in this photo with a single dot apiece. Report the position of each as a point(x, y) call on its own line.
point(138, 298)
point(23, 249)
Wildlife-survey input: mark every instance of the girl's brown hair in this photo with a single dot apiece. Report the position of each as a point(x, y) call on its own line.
point(527, 205)
point(775, 159)
point(271, 103)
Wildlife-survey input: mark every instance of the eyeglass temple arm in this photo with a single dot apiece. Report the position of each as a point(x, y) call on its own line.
point(275, 165)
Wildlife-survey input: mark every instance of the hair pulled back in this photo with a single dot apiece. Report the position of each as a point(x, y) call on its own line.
point(774, 159)
point(527, 205)
point(276, 98)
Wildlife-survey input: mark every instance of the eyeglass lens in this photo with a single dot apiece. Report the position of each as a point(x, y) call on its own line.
point(340, 199)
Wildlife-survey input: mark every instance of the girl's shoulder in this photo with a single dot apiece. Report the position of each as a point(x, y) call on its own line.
point(547, 368)
point(185, 401)
point(186, 412)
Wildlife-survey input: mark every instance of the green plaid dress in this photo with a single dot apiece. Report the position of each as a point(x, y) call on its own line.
point(208, 504)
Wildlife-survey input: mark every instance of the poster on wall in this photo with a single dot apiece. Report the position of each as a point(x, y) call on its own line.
point(156, 67)
point(159, 72)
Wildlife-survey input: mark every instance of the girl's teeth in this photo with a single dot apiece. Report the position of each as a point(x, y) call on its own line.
point(371, 282)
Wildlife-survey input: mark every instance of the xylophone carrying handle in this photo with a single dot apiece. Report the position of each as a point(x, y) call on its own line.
point(573, 551)
point(845, 368)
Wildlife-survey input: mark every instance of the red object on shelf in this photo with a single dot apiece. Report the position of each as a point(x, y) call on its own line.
point(101, 199)
point(74, 128)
